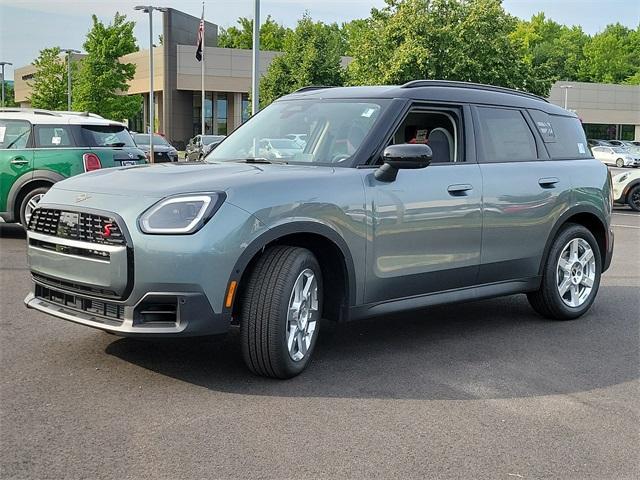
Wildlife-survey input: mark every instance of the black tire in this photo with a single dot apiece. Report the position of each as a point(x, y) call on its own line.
point(633, 198)
point(619, 163)
point(263, 311)
point(547, 300)
point(26, 198)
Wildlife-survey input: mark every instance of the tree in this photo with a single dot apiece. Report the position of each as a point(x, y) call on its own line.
point(49, 85)
point(442, 39)
point(311, 57)
point(612, 56)
point(547, 44)
point(9, 95)
point(101, 84)
point(272, 35)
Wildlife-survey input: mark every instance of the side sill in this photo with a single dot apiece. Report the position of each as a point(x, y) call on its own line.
point(469, 294)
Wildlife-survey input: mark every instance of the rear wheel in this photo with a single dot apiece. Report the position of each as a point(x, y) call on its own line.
point(29, 203)
point(633, 199)
point(619, 163)
point(281, 308)
point(571, 275)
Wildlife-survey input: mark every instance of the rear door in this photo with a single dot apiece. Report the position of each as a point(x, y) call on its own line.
point(56, 150)
point(524, 192)
point(16, 155)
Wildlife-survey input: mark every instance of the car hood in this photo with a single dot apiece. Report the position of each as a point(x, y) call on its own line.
point(163, 179)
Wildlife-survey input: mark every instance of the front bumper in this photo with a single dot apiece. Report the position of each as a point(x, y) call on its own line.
point(151, 285)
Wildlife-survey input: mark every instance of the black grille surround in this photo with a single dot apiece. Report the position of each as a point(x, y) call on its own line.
point(81, 226)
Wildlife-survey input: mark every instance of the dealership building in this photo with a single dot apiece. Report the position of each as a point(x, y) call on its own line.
point(607, 111)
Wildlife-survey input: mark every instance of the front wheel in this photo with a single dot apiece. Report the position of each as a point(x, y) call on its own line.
point(634, 198)
point(571, 275)
point(29, 203)
point(280, 312)
point(619, 163)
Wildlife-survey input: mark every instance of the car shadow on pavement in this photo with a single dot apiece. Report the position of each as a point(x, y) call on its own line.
point(12, 230)
point(490, 349)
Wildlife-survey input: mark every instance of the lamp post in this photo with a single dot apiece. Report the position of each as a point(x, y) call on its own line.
point(255, 104)
point(3, 64)
point(69, 52)
point(149, 9)
point(566, 94)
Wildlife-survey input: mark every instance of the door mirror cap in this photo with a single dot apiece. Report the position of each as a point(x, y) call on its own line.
point(406, 155)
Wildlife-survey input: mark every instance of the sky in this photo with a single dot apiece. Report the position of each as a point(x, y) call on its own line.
point(27, 26)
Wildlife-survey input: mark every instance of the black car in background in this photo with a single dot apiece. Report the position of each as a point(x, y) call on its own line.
point(200, 145)
point(163, 151)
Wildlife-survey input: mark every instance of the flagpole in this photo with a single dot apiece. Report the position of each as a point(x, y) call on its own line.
point(202, 70)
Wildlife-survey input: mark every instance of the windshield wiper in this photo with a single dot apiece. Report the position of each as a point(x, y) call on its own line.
point(115, 144)
point(259, 160)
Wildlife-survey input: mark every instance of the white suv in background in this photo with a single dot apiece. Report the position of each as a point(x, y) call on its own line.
point(617, 156)
point(626, 189)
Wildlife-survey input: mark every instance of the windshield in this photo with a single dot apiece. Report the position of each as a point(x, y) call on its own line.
point(334, 131)
point(106, 136)
point(143, 139)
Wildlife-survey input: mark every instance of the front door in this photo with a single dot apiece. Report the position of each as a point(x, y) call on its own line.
point(426, 225)
point(16, 156)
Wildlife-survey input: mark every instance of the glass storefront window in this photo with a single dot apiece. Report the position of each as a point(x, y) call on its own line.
point(221, 114)
point(246, 106)
point(603, 131)
point(627, 132)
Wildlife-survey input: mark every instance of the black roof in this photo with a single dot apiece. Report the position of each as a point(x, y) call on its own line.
point(437, 91)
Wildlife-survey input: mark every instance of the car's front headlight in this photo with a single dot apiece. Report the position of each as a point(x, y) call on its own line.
point(181, 214)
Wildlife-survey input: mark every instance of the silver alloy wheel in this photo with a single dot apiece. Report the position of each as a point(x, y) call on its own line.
point(31, 206)
point(302, 315)
point(576, 272)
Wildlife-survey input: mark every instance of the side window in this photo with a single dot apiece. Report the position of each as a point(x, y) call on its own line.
point(14, 134)
point(563, 136)
point(505, 136)
point(53, 136)
point(438, 129)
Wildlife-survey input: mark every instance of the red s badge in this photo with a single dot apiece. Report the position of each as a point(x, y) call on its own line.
point(106, 230)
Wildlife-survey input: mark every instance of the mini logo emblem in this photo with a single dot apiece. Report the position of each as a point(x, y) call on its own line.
point(130, 155)
point(82, 197)
point(106, 230)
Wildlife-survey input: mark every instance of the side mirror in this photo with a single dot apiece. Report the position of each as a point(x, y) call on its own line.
point(406, 155)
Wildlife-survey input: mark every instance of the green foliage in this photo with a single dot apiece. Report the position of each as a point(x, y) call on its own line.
point(101, 83)
point(442, 39)
point(9, 95)
point(549, 45)
point(311, 57)
point(612, 56)
point(272, 35)
point(49, 84)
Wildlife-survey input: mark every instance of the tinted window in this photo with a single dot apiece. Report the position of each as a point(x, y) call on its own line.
point(505, 135)
point(53, 136)
point(563, 136)
point(106, 136)
point(14, 134)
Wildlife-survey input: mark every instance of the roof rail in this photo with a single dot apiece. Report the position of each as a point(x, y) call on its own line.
point(475, 86)
point(312, 87)
point(35, 111)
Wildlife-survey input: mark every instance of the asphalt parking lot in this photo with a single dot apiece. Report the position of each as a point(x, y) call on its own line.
point(480, 390)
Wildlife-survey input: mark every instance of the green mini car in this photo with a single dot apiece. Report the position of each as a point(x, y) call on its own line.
point(39, 148)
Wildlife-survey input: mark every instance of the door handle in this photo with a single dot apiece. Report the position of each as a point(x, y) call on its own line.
point(548, 182)
point(459, 189)
point(19, 161)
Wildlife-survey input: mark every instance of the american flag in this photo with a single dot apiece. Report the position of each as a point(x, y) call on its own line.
point(200, 42)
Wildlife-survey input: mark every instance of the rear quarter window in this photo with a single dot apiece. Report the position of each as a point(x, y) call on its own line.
point(563, 136)
point(53, 136)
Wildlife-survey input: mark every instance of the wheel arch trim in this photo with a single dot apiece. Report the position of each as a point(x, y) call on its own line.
point(25, 180)
point(274, 233)
point(562, 220)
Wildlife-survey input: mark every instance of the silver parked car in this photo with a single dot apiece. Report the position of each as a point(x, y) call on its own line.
point(402, 197)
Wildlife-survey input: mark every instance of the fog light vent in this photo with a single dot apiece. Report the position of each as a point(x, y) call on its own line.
point(155, 310)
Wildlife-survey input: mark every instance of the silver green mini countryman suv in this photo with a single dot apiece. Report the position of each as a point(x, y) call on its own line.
point(390, 199)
